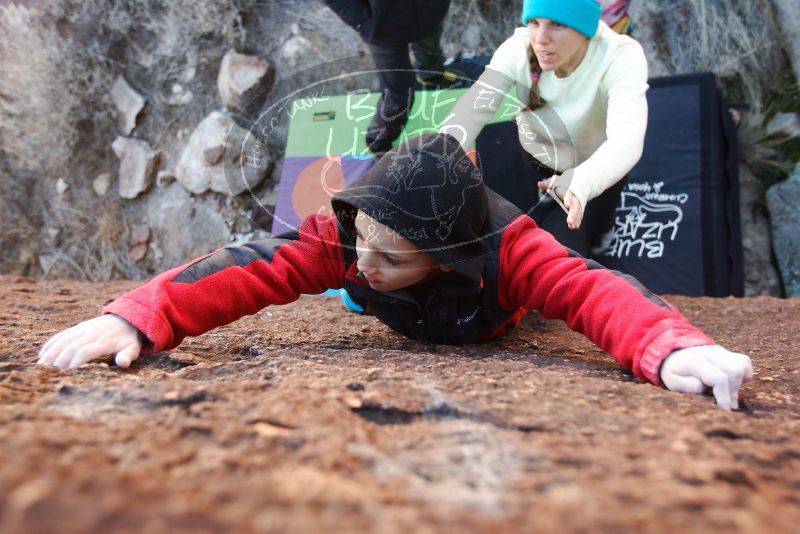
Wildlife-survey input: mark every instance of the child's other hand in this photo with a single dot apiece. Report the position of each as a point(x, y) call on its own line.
point(92, 339)
point(694, 369)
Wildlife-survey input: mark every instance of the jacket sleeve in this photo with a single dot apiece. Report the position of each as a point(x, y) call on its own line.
point(626, 125)
point(479, 104)
point(638, 328)
point(231, 282)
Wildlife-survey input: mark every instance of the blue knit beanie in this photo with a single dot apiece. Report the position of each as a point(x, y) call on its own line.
point(580, 15)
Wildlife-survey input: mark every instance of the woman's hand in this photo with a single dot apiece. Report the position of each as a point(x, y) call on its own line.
point(696, 369)
point(93, 339)
point(575, 213)
point(570, 203)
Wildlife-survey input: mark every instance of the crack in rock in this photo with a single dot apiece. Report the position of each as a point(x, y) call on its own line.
point(724, 433)
point(92, 403)
point(390, 415)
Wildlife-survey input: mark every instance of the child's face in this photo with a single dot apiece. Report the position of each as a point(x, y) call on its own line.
point(388, 260)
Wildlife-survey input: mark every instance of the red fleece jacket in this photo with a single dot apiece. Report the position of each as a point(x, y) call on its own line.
point(536, 272)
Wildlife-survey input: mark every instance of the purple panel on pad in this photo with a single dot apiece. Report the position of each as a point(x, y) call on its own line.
point(286, 219)
point(355, 168)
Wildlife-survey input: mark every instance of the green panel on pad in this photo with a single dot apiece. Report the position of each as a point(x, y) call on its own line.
point(336, 125)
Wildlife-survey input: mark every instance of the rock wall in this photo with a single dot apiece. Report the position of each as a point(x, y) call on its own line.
point(760, 275)
point(116, 131)
point(784, 208)
point(789, 16)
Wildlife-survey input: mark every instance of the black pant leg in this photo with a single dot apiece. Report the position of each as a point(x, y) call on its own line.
point(395, 74)
point(397, 96)
point(428, 54)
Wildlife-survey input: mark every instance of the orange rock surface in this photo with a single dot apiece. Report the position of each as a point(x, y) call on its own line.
point(306, 418)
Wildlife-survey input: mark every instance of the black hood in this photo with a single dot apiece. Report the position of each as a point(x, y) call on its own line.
point(429, 191)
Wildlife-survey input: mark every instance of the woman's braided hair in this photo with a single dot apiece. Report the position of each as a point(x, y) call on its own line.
point(535, 100)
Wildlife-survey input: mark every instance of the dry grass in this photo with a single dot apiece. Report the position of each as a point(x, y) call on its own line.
point(739, 41)
point(88, 247)
point(38, 101)
point(495, 18)
point(19, 238)
point(57, 64)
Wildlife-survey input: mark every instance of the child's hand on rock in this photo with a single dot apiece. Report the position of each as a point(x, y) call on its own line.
point(695, 369)
point(93, 339)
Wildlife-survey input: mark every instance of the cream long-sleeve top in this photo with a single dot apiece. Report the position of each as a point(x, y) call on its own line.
point(594, 121)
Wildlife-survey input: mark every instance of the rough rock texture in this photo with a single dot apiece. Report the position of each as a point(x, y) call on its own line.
point(244, 81)
point(128, 102)
point(295, 50)
point(139, 241)
point(760, 275)
point(137, 166)
point(785, 216)
point(202, 166)
point(646, 15)
point(785, 124)
point(164, 178)
point(305, 418)
point(183, 227)
point(61, 187)
point(102, 184)
point(788, 15)
point(60, 59)
point(180, 96)
point(471, 37)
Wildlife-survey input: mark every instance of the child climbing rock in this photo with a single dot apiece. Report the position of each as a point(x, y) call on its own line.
point(420, 243)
